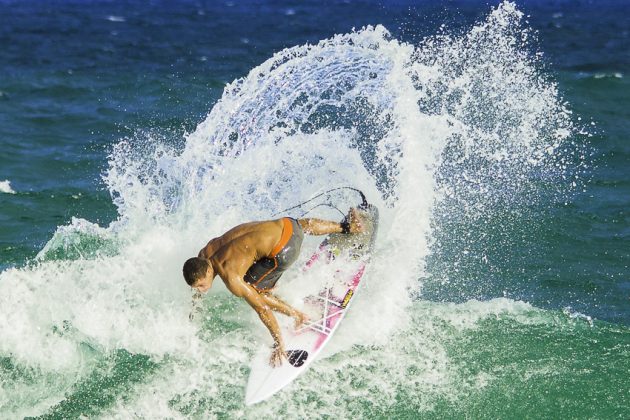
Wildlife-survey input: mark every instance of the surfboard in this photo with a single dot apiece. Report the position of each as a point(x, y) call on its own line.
point(326, 309)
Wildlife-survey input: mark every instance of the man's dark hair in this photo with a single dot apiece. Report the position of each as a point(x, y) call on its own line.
point(194, 268)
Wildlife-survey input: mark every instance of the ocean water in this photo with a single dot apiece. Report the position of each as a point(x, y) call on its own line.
point(493, 137)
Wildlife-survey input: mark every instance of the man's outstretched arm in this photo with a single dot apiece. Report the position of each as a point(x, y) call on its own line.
point(241, 289)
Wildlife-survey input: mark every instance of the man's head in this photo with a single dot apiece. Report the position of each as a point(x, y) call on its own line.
point(198, 273)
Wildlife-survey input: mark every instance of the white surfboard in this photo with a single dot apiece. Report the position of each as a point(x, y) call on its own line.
point(330, 306)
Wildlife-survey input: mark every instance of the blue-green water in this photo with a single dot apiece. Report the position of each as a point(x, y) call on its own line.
point(494, 138)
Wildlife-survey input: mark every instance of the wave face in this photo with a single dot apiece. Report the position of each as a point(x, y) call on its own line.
point(98, 324)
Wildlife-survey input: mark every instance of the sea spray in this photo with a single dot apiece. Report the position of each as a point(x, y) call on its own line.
point(514, 148)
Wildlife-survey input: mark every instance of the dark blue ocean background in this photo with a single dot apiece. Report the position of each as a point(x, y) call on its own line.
point(76, 77)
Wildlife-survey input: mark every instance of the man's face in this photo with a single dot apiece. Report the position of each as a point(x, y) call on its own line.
point(203, 284)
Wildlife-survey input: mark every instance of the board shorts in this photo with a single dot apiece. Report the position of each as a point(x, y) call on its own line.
point(265, 272)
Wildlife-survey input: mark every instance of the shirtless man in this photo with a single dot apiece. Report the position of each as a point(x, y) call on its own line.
point(250, 258)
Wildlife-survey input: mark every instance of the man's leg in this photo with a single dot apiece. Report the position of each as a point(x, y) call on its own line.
point(313, 226)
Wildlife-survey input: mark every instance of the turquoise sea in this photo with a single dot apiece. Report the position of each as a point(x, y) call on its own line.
point(493, 136)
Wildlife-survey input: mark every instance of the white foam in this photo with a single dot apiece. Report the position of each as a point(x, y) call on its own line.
point(615, 75)
point(5, 187)
point(117, 19)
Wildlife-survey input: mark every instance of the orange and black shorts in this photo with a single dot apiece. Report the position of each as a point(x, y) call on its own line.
point(265, 272)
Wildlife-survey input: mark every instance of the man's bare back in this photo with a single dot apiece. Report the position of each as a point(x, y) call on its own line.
point(237, 249)
point(249, 259)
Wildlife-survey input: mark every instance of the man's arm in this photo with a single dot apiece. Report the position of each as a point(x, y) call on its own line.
point(239, 288)
point(276, 304)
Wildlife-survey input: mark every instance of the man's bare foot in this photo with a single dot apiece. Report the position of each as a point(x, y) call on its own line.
point(356, 221)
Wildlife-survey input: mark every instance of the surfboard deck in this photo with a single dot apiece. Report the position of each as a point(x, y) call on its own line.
point(329, 306)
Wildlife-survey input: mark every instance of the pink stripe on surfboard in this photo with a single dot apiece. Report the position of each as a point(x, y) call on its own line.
point(332, 321)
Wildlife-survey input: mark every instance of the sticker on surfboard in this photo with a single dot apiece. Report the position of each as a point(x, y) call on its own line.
point(297, 357)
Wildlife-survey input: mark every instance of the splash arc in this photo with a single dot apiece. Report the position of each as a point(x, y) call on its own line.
point(329, 307)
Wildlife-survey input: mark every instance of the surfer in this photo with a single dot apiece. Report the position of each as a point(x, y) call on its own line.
point(251, 257)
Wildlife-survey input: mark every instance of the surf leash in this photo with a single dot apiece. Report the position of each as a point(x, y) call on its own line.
point(363, 204)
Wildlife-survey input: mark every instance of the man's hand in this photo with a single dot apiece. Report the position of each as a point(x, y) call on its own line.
point(277, 355)
point(300, 318)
